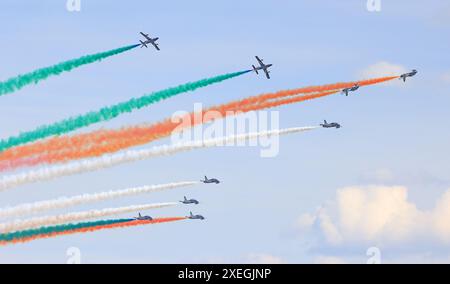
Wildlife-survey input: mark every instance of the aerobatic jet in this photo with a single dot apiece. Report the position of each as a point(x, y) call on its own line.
point(410, 74)
point(330, 125)
point(210, 180)
point(143, 218)
point(189, 201)
point(352, 89)
point(148, 40)
point(262, 66)
point(192, 216)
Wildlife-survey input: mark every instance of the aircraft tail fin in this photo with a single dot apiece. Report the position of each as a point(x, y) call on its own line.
point(190, 213)
point(143, 44)
point(324, 122)
point(254, 69)
point(185, 199)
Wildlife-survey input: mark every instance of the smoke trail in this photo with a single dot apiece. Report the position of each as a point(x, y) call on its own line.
point(17, 83)
point(64, 202)
point(8, 237)
point(324, 88)
point(76, 216)
point(107, 161)
point(289, 100)
point(68, 229)
point(108, 113)
point(96, 143)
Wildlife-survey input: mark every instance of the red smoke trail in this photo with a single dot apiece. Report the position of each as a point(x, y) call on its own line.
point(60, 149)
point(93, 229)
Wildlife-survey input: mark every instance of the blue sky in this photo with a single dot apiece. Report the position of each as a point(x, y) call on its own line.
point(392, 135)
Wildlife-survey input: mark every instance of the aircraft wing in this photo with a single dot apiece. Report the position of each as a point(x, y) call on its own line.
point(259, 60)
point(145, 35)
point(155, 45)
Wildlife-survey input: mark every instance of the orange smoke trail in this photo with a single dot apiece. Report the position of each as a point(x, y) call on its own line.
point(139, 136)
point(59, 149)
point(314, 89)
point(93, 229)
point(287, 101)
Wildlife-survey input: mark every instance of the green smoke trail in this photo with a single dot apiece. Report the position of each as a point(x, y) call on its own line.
point(17, 83)
point(110, 112)
point(8, 237)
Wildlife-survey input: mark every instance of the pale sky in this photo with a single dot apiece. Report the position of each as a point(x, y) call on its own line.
point(327, 197)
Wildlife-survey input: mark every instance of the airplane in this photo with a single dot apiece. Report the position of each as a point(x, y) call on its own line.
point(189, 201)
point(210, 180)
point(410, 74)
point(352, 89)
point(191, 216)
point(149, 40)
point(264, 67)
point(143, 218)
point(330, 125)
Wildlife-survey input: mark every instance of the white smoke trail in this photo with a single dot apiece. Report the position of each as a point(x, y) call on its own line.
point(18, 225)
point(63, 202)
point(107, 161)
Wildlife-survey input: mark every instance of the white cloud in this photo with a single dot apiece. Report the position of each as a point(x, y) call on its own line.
point(261, 258)
point(381, 69)
point(381, 215)
point(305, 221)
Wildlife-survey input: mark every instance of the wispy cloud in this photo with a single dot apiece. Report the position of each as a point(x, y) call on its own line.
point(383, 68)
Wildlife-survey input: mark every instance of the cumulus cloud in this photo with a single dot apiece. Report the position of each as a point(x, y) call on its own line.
point(378, 214)
point(383, 68)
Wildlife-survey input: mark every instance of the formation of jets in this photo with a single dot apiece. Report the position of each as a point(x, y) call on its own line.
point(402, 77)
point(148, 218)
point(265, 68)
point(152, 41)
point(325, 124)
point(184, 201)
point(410, 74)
point(210, 180)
